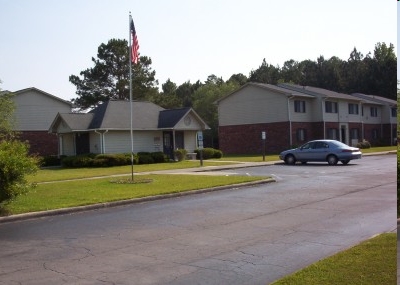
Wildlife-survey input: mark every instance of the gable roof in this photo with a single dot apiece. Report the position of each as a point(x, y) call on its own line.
point(316, 91)
point(116, 115)
point(169, 118)
point(377, 99)
point(42, 92)
point(270, 87)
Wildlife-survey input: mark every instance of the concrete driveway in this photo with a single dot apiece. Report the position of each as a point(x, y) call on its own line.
point(251, 235)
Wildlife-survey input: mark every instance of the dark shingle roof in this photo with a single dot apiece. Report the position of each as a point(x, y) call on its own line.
point(116, 114)
point(169, 118)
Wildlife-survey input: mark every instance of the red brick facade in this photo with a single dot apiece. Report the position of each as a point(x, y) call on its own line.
point(41, 142)
point(246, 139)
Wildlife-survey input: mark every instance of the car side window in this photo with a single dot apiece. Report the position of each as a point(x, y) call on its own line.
point(308, 146)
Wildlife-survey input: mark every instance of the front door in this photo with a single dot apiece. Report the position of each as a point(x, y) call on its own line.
point(168, 144)
point(82, 143)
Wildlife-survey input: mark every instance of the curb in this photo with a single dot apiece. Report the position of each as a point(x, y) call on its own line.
point(63, 211)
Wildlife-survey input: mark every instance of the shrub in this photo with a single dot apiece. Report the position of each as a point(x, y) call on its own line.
point(77, 161)
point(145, 158)
point(364, 144)
point(15, 163)
point(50, 160)
point(158, 157)
point(209, 153)
point(180, 154)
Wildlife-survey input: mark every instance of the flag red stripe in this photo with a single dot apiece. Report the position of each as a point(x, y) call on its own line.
point(134, 44)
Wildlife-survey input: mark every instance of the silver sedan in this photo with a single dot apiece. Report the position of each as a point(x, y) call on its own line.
point(330, 151)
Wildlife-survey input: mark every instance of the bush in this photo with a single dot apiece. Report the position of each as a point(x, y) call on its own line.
point(209, 153)
point(180, 154)
point(15, 163)
point(158, 157)
point(145, 158)
point(50, 160)
point(364, 144)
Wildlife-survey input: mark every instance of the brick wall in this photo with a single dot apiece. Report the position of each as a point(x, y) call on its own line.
point(41, 142)
point(246, 139)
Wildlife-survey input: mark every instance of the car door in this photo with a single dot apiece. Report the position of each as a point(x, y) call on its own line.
point(305, 151)
point(320, 151)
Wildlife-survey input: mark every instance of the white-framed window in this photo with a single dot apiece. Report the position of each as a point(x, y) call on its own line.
point(375, 134)
point(332, 134)
point(331, 107)
point(354, 134)
point(353, 109)
point(374, 112)
point(299, 106)
point(301, 135)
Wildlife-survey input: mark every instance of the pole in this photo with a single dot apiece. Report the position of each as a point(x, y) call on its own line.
point(130, 91)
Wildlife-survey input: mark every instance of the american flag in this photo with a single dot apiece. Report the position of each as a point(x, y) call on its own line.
point(134, 44)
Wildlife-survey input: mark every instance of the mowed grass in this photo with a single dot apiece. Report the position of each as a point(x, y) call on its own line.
point(59, 174)
point(64, 194)
point(372, 262)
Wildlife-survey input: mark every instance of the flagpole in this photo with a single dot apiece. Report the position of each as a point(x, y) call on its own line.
point(130, 90)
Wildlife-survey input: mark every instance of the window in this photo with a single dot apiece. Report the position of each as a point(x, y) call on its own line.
point(301, 135)
point(321, 145)
point(374, 112)
point(353, 109)
point(331, 107)
point(354, 134)
point(332, 134)
point(299, 106)
point(394, 112)
point(375, 134)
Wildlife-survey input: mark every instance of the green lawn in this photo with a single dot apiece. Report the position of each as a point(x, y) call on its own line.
point(57, 174)
point(369, 263)
point(63, 194)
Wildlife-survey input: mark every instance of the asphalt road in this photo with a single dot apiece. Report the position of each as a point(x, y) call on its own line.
point(251, 235)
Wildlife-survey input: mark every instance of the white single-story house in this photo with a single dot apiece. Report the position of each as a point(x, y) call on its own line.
point(107, 129)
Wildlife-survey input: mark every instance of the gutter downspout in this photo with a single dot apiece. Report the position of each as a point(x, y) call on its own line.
point(290, 121)
point(323, 114)
point(362, 121)
point(102, 141)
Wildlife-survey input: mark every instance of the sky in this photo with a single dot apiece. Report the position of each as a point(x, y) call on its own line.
point(43, 42)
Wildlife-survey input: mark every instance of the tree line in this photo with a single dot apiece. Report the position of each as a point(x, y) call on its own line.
point(374, 73)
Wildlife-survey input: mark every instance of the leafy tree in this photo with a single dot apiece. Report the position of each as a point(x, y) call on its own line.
point(382, 71)
point(266, 73)
point(109, 78)
point(15, 163)
point(239, 78)
point(167, 98)
point(6, 115)
point(204, 104)
point(185, 92)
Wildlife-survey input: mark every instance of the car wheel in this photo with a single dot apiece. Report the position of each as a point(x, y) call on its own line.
point(289, 159)
point(345, 161)
point(332, 159)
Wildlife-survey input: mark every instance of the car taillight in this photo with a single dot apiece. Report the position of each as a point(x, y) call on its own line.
point(347, 150)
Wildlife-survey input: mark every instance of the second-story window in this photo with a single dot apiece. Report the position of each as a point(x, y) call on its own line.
point(374, 112)
point(331, 107)
point(353, 109)
point(299, 106)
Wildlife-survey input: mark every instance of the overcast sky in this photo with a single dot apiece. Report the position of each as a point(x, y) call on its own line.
point(43, 42)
